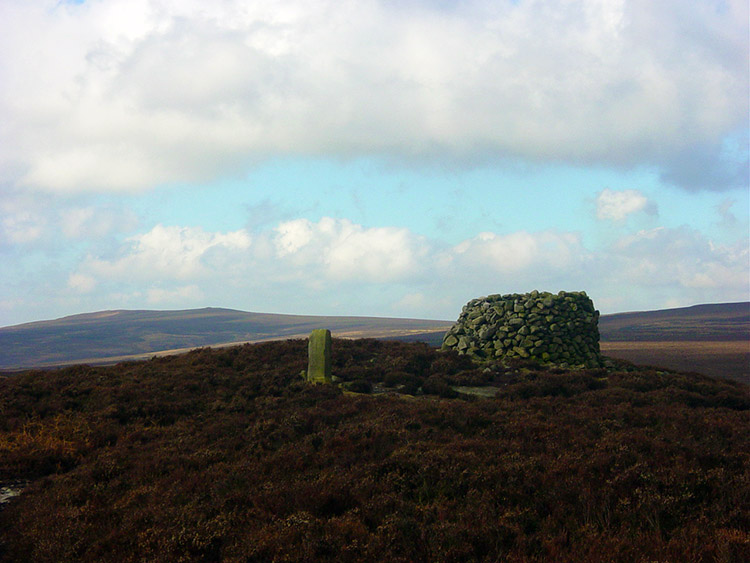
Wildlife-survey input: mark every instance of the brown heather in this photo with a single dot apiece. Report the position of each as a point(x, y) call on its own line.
point(228, 455)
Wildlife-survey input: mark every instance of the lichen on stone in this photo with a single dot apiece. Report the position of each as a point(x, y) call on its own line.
point(551, 328)
point(319, 356)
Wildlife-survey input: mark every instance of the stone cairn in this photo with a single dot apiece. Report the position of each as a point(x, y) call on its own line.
point(552, 328)
point(319, 356)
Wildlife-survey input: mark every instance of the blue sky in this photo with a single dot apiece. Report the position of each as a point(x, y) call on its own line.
point(371, 157)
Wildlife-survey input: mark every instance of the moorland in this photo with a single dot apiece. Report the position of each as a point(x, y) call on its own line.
point(711, 339)
point(229, 455)
point(111, 336)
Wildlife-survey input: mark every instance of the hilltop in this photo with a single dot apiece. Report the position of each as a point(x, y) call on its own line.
point(710, 322)
point(228, 455)
point(712, 339)
point(111, 336)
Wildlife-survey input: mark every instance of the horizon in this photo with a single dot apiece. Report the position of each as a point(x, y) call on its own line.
point(371, 158)
point(87, 313)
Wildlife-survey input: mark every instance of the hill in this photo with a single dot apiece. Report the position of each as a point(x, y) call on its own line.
point(110, 336)
point(710, 339)
point(717, 322)
point(227, 455)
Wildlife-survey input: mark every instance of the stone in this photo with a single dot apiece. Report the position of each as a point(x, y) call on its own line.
point(551, 327)
point(520, 351)
point(487, 332)
point(319, 356)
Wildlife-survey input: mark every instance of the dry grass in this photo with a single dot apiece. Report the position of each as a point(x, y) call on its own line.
point(730, 359)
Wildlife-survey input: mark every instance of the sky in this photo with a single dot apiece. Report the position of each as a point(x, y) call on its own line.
point(371, 157)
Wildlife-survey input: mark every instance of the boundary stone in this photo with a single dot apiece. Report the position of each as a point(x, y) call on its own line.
point(319, 356)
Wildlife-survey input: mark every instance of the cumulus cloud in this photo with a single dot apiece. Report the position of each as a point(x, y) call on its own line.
point(344, 251)
point(329, 253)
point(298, 251)
point(682, 258)
point(94, 222)
point(543, 252)
point(81, 283)
point(336, 266)
point(167, 252)
point(126, 95)
point(30, 222)
point(337, 252)
point(21, 227)
point(617, 205)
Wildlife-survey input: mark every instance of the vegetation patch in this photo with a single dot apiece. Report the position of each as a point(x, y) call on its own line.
point(230, 455)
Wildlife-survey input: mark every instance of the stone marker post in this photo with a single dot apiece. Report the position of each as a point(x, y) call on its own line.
point(319, 356)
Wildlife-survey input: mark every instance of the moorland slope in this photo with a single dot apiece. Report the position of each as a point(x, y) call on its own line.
point(110, 336)
point(719, 321)
point(227, 455)
point(711, 339)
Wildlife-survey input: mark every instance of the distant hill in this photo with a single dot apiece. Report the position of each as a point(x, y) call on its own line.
point(709, 339)
point(713, 339)
point(108, 336)
point(723, 321)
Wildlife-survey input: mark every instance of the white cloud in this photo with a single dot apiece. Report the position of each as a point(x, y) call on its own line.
point(310, 254)
point(21, 222)
point(21, 228)
point(95, 222)
point(124, 95)
point(344, 251)
point(293, 235)
point(545, 251)
point(617, 205)
point(81, 283)
point(333, 253)
point(336, 266)
point(168, 252)
point(681, 258)
point(31, 222)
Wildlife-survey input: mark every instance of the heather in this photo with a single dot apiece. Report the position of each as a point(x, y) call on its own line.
point(229, 455)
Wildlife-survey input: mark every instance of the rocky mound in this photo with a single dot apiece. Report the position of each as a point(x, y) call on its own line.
point(552, 328)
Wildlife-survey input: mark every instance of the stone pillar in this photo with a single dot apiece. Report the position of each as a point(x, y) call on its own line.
point(319, 356)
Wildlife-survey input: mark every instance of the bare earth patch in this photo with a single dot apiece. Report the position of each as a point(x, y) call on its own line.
point(11, 489)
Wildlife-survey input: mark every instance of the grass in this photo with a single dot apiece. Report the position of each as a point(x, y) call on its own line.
point(227, 455)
